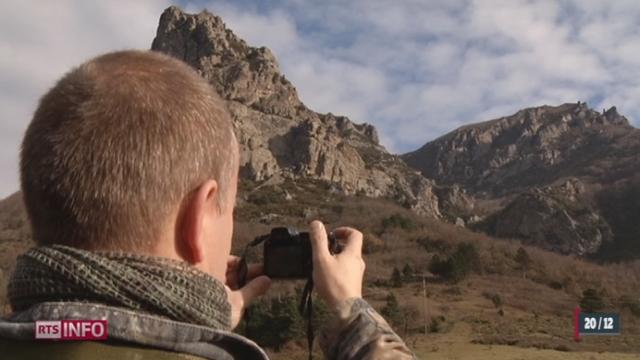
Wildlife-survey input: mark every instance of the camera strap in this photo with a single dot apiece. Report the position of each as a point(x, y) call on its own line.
point(306, 310)
point(306, 302)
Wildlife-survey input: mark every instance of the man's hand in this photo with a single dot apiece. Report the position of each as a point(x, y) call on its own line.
point(257, 284)
point(337, 277)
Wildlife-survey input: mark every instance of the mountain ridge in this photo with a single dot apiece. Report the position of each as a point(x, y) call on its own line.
point(523, 161)
point(280, 138)
point(490, 156)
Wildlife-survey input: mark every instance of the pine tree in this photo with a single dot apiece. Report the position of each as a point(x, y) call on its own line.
point(523, 260)
point(591, 301)
point(457, 266)
point(274, 322)
point(407, 272)
point(391, 310)
point(396, 278)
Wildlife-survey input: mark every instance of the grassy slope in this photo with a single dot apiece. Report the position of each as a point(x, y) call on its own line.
point(537, 305)
point(537, 314)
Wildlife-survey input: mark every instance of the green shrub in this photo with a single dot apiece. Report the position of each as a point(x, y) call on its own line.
point(440, 266)
point(433, 245)
point(321, 313)
point(457, 266)
point(495, 298)
point(274, 322)
point(524, 260)
point(391, 310)
point(400, 316)
point(407, 272)
point(556, 285)
point(591, 301)
point(467, 253)
point(398, 221)
point(437, 324)
point(396, 278)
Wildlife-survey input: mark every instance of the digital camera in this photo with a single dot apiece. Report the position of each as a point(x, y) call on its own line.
point(287, 253)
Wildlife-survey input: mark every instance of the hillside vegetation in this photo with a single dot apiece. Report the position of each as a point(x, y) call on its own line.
point(496, 294)
point(495, 291)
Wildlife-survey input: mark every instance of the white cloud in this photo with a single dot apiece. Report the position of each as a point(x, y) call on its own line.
point(41, 40)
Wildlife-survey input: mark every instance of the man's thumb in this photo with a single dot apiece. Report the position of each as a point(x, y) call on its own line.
point(255, 288)
point(319, 241)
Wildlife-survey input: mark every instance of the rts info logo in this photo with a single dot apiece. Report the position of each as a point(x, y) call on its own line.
point(72, 329)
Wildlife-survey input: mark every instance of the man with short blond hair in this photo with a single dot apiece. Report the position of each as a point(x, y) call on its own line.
point(116, 144)
point(129, 173)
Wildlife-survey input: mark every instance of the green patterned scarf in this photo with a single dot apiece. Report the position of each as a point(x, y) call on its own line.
point(155, 285)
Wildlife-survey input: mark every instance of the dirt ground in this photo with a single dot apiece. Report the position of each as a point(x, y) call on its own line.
point(456, 345)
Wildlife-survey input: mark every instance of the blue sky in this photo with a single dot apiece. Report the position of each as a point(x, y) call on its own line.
point(415, 69)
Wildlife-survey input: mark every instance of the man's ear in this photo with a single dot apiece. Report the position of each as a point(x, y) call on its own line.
point(191, 244)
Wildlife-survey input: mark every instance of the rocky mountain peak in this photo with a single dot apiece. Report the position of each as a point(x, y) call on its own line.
point(279, 136)
point(535, 146)
point(239, 72)
point(210, 36)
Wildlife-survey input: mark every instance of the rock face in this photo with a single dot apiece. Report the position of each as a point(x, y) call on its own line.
point(534, 158)
point(533, 147)
point(455, 204)
point(279, 136)
point(554, 218)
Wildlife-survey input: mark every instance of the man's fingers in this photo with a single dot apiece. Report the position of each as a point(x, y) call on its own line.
point(352, 240)
point(232, 262)
point(254, 270)
point(254, 288)
point(319, 241)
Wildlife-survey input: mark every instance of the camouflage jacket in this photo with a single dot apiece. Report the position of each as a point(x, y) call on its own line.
point(357, 332)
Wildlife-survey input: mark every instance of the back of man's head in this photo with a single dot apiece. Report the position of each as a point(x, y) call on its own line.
point(114, 147)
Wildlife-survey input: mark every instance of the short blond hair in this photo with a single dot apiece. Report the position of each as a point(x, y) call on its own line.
point(116, 144)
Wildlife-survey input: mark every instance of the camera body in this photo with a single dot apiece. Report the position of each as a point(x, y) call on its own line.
point(287, 253)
